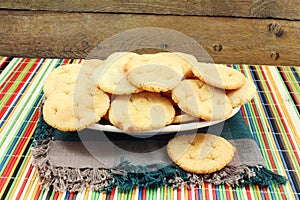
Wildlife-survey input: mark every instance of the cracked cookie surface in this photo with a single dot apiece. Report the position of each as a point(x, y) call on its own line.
point(200, 153)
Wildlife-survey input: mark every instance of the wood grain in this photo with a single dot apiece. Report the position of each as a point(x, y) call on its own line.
point(281, 9)
point(75, 35)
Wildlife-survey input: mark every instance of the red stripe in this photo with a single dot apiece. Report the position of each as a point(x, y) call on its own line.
point(189, 193)
point(66, 61)
point(196, 193)
point(17, 90)
point(37, 195)
point(248, 192)
point(213, 188)
point(265, 193)
point(18, 70)
point(56, 196)
point(112, 194)
point(282, 192)
point(276, 105)
point(266, 144)
point(206, 190)
point(179, 193)
point(25, 182)
point(12, 161)
point(144, 193)
point(289, 87)
point(227, 192)
point(71, 195)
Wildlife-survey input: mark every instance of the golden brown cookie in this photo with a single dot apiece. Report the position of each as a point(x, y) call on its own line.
point(200, 153)
point(188, 61)
point(154, 77)
point(165, 58)
point(111, 77)
point(218, 75)
point(141, 112)
point(71, 112)
point(61, 79)
point(243, 94)
point(201, 100)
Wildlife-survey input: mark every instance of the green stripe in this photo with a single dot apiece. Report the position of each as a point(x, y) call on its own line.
point(286, 141)
point(42, 194)
point(221, 190)
point(126, 195)
point(95, 195)
point(25, 101)
point(8, 69)
point(161, 192)
point(261, 142)
point(14, 85)
point(295, 87)
point(129, 194)
point(292, 80)
point(52, 194)
point(19, 175)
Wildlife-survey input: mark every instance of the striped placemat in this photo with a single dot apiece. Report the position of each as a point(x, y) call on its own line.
point(273, 118)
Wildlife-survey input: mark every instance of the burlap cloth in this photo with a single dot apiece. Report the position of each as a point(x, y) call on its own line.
point(99, 160)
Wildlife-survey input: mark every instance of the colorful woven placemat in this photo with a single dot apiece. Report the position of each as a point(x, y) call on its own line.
point(273, 118)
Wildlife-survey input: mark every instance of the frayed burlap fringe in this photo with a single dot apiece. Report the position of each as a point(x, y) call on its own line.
point(127, 176)
point(67, 178)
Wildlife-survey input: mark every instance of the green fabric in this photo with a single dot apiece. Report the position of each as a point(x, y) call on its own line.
point(126, 175)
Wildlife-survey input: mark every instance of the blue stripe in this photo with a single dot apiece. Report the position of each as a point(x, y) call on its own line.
point(295, 74)
point(21, 93)
point(21, 131)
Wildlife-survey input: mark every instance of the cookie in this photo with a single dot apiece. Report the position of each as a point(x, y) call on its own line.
point(243, 94)
point(111, 77)
point(154, 77)
point(200, 153)
point(201, 100)
point(89, 67)
point(61, 79)
point(165, 58)
point(219, 76)
point(188, 61)
point(141, 112)
point(184, 118)
point(68, 112)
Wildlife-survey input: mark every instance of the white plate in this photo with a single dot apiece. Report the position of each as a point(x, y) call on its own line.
point(166, 129)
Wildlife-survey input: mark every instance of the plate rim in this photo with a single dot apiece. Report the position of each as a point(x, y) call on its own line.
point(167, 129)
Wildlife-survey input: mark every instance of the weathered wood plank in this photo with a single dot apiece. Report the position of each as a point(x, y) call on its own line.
point(281, 9)
point(74, 35)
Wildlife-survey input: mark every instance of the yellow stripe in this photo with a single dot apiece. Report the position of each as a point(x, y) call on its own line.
point(30, 185)
point(286, 113)
point(14, 168)
point(133, 193)
point(203, 191)
point(19, 178)
point(104, 195)
point(122, 195)
point(86, 195)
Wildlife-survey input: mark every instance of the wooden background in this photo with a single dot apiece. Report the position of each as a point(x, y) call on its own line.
point(231, 31)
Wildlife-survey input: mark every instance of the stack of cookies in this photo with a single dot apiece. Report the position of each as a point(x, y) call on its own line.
point(142, 92)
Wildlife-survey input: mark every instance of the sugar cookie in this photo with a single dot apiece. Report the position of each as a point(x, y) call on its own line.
point(140, 112)
point(200, 153)
point(218, 75)
point(243, 94)
point(198, 99)
point(111, 78)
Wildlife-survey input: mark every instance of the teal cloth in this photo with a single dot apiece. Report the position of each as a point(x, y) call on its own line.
point(247, 166)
